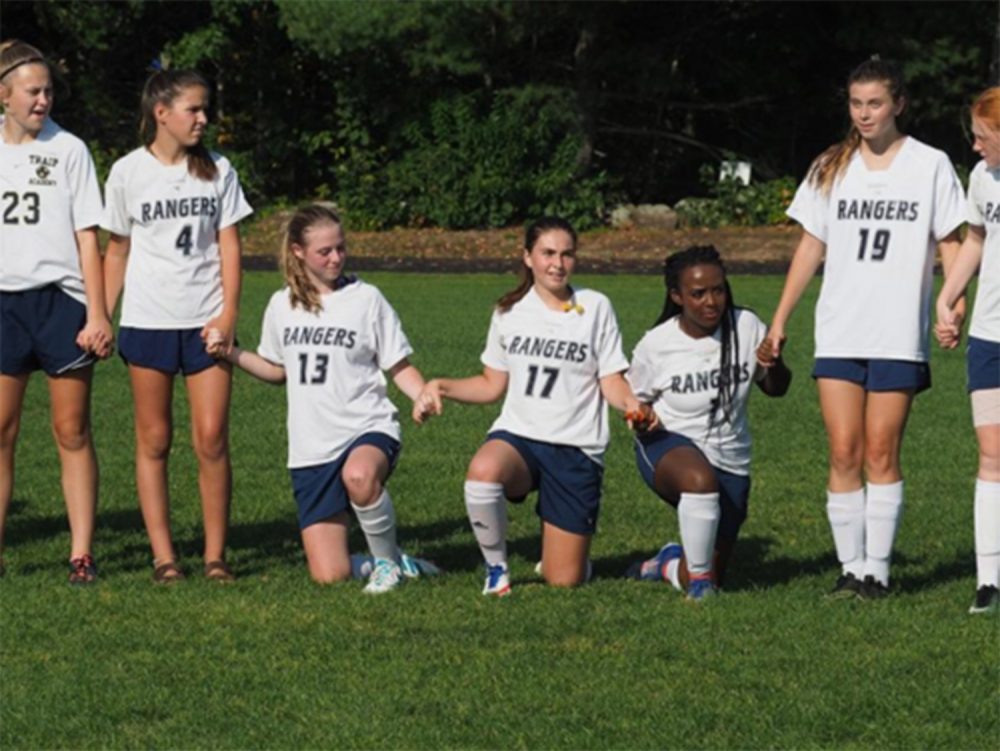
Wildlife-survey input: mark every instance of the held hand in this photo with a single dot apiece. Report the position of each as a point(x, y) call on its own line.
point(97, 338)
point(428, 402)
point(641, 417)
point(769, 351)
point(948, 329)
point(218, 337)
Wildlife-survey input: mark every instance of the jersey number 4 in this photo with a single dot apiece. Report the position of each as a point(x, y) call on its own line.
point(184, 242)
point(880, 245)
point(29, 213)
point(550, 380)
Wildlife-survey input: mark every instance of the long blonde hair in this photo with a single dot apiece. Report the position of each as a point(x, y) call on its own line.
point(830, 166)
point(300, 288)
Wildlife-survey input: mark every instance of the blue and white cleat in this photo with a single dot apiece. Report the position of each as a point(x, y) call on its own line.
point(361, 565)
point(655, 569)
point(413, 567)
point(386, 576)
point(497, 581)
point(701, 589)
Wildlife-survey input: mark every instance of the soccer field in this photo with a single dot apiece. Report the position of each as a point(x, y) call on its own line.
point(275, 661)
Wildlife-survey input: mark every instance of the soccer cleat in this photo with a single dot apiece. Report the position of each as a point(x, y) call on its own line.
point(386, 576)
point(701, 589)
point(361, 565)
point(655, 569)
point(873, 589)
point(497, 581)
point(987, 600)
point(848, 586)
point(413, 567)
point(82, 570)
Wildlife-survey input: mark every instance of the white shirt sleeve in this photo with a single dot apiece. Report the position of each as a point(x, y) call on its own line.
point(810, 208)
point(948, 209)
point(233, 203)
point(87, 207)
point(973, 212)
point(270, 347)
point(494, 356)
point(116, 218)
point(610, 357)
point(642, 374)
point(391, 344)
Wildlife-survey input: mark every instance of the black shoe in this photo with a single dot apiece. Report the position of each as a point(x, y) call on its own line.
point(987, 600)
point(847, 587)
point(873, 589)
point(82, 570)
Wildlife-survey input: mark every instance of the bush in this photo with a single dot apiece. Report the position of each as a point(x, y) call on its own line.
point(478, 162)
point(733, 203)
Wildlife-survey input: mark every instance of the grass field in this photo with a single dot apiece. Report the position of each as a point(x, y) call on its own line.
point(277, 662)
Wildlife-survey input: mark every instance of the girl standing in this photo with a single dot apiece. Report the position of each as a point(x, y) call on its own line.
point(172, 211)
point(555, 352)
point(52, 314)
point(328, 337)
point(981, 249)
point(872, 207)
point(695, 367)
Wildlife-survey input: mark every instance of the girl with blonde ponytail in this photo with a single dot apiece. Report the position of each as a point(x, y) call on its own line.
point(873, 208)
point(328, 336)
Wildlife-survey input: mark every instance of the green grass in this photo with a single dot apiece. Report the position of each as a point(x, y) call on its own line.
point(277, 662)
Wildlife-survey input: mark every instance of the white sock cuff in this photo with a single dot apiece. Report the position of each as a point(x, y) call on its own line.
point(986, 509)
point(891, 492)
point(846, 514)
point(702, 505)
point(376, 517)
point(852, 501)
point(988, 489)
point(483, 492)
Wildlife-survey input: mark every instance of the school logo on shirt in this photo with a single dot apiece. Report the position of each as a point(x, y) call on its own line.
point(900, 211)
point(43, 169)
point(556, 349)
point(172, 208)
point(690, 383)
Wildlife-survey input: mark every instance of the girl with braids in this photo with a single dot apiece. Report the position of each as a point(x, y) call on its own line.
point(172, 209)
point(872, 208)
point(695, 367)
point(555, 353)
point(981, 249)
point(328, 336)
point(52, 315)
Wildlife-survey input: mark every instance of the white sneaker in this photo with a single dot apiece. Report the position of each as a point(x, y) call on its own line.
point(385, 577)
point(413, 567)
point(497, 581)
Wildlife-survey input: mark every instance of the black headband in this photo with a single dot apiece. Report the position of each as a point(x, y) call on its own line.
point(15, 66)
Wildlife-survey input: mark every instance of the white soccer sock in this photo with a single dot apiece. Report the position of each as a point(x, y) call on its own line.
point(987, 515)
point(698, 517)
point(882, 513)
point(846, 512)
point(378, 522)
point(674, 574)
point(487, 509)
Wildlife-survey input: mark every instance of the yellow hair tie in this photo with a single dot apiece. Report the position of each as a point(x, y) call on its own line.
point(572, 305)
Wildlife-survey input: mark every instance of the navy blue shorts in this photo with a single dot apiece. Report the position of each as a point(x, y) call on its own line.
point(169, 350)
point(38, 330)
point(983, 364)
point(876, 375)
point(319, 490)
point(568, 482)
point(734, 490)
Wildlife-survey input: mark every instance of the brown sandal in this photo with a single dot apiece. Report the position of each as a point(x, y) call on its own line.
point(167, 572)
point(219, 571)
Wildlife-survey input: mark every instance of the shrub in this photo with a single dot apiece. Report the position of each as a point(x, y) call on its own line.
point(730, 202)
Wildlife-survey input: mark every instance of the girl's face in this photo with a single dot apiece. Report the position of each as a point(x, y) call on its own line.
point(322, 254)
point(702, 297)
point(873, 110)
point(986, 142)
point(185, 118)
point(551, 261)
point(26, 96)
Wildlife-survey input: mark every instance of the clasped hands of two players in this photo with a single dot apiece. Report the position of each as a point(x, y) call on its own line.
point(97, 338)
point(948, 329)
point(217, 342)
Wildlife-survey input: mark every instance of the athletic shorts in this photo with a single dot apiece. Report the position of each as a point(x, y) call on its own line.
point(38, 330)
point(734, 490)
point(168, 350)
point(567, 480)
point(319, 490)
point(983, 364)
point(875, 375)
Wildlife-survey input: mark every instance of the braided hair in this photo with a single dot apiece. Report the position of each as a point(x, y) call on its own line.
point(673, 269)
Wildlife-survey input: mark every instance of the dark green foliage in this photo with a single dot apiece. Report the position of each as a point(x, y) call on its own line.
point(730, 202)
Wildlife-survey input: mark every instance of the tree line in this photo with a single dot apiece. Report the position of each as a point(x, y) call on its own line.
point(474, 113)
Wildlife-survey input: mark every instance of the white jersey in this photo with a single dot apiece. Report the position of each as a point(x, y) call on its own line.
point(984, 211)
point(554, 360)
point(48, 192)
point(173, 279)
point(880, 229)
point(333, 364)
point(679, 375)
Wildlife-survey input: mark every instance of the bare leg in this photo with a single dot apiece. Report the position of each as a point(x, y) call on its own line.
point(325, 545)
point(11, 401)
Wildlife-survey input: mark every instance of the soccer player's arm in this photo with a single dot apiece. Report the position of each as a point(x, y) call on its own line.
point(805, 262)
point(115, 259)
point(96, 335)
point(958, 272)
point(255, 365)
point(407, 378)
point(230, 251)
